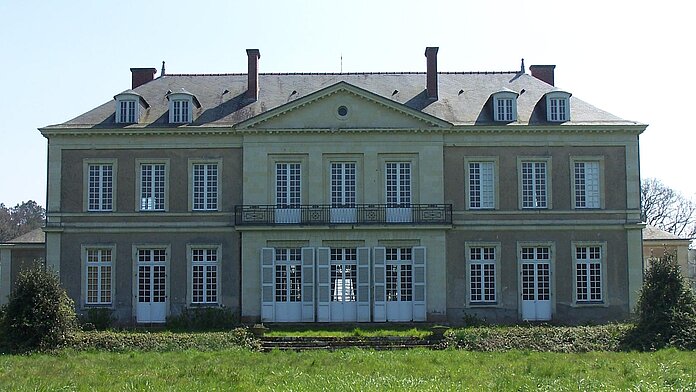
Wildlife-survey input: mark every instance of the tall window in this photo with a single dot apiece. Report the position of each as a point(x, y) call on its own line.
point(534, 191)
point(99, 264)
point(288, 185)
point(152, 186)
point(204, 270)
point(587, 184)
point(504, 109)
point(343, 184)
point(205, 186)
point(288, 275)
point(481, 185)
point(482, 261)
point(182, 113)
point(399, 184)
point(127, 111)
point(100, 187)
point(399, 274)
point(344, 276)
point(588, 273)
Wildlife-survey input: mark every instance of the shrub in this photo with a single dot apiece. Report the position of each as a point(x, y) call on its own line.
point(666, 309)
point(39, 314)
point(203, 319)
point(97, 318)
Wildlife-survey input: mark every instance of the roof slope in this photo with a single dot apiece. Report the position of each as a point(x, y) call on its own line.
point(653, 233)
point(464, 98)
point(36, 236)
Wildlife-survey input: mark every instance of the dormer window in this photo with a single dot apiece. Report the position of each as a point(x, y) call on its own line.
point(128, 107)
point(558, 106)
point(181, 105)
point(505, 106)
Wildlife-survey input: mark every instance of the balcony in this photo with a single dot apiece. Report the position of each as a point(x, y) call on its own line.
point(358, 214)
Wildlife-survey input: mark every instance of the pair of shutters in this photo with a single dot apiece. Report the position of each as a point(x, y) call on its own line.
point(323, 301)
point(268, 284)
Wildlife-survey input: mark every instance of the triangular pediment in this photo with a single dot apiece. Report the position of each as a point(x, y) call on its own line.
point(343, 106)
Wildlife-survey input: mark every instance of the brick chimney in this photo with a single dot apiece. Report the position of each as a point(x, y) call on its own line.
point(141, 76)
point(431, 78)
point(543, 72)
point(253, 74)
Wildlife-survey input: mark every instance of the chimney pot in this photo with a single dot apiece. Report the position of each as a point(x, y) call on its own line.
point(253, 74)
point(543, 73)
point(140, 76)
point(431, 76)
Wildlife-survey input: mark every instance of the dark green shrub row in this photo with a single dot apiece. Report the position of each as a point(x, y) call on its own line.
point(540, 338)
point(203, 319)
point(117, 341)
point(97, 318)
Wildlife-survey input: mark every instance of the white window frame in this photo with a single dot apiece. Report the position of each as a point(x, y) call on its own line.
point(536, 204)
point(285, 257)
point(207, 196)
point(87, 164)
point(293, 197)
point(127, 108)
point(343, 184)
point(139, 163)
point(401, 197)
point(485, 203)
point(181, 106)
point(495, 262)
point(135, 249)
point(558, 106)
point(507, 112)
point(100, 265)
point(192, 263)
point(593, 198)
point(587, 261)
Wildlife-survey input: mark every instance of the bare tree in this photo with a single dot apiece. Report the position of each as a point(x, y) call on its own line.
point(667, 209)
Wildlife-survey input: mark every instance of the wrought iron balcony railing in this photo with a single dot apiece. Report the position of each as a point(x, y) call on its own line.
point(362, 214)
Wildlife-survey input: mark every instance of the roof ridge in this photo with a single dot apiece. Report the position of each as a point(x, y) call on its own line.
point(350, 73)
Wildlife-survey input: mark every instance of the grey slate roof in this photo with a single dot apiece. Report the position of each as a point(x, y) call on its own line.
point(653, 233)
point(36, 236)
point(464, 97)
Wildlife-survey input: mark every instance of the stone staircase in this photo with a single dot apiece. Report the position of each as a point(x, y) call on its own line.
point(335, 343)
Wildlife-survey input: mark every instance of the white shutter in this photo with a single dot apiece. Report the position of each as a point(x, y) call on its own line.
point(363, 284)
point(267, 284)
point(323, 284)
point(307, 284)
point(379, 262)
point(419, 271)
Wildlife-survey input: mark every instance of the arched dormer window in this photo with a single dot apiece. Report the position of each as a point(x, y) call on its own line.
point(558, 106)
point(181, 104)
point(129, 106)
point(505, 106)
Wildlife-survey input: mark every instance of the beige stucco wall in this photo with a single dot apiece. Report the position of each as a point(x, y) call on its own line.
point(657, 248)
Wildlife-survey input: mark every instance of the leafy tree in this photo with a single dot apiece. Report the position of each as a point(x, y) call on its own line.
point(20, 219)
point(39, 314)
point(666, 309)
point(667, 209)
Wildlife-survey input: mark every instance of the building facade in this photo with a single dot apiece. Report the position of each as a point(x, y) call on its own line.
point(356, 197)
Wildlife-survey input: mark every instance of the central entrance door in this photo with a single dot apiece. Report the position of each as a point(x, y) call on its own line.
point(152, 286)
point(399, 284)
point(344, 284)
point(535, 265)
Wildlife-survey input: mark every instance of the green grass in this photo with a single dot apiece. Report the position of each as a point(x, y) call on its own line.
point(349, 331)
point(349, 370)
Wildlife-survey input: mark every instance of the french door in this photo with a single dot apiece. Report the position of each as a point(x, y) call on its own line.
point(288, 193)
point(535, 273)
point(288, 284)
point(151, 304)
point(343, 190)
point(399, 284)
point(398, 191)
point(344, 284)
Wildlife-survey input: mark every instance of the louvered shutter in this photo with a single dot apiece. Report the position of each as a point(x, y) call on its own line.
point(380, 304)
point(267, 283)
point(323, 285)
point(307, 284)
point(363, 284)
point(419, 274)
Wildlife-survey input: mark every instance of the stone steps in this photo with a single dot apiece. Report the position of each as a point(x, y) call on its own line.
point(337, 343)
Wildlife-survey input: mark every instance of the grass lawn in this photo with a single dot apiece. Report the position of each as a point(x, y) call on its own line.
point(349, 370)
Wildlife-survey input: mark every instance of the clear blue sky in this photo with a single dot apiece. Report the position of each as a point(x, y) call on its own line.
point(60, 59)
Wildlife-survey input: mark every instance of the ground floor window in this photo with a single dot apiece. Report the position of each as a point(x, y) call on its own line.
point(99, 276)
point(344, 266)
point(399, 274)
point(204, 270)
point(588, 273)
point(288, 275)
point(482, 260)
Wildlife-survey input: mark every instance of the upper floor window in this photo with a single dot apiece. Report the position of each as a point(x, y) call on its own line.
point(481, 182)
point(181, 104)
point(153, 186)
point(533, 181)
point(205, 186)
point(558, 106)
point(586, 182)
point(128, 107)
point(505, 106)
point(100, 186)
